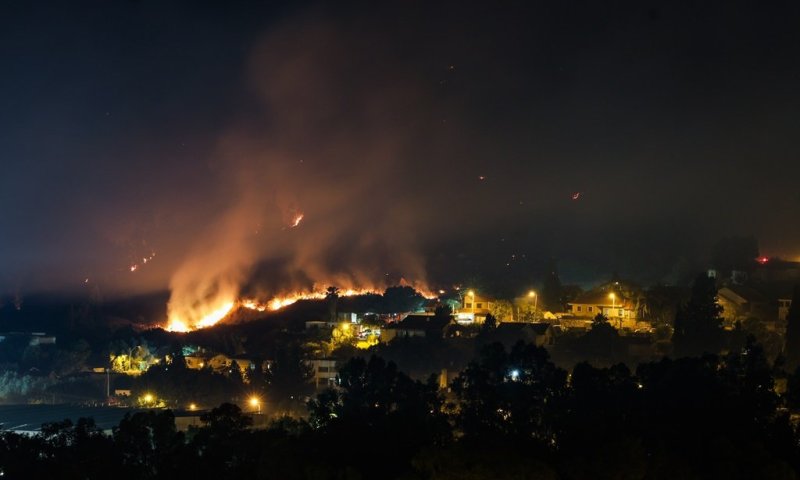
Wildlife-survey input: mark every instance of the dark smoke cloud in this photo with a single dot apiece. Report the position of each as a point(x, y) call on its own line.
point(427, 140)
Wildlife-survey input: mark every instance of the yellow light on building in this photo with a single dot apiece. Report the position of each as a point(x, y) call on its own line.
point(192, 407)
point(148, 398)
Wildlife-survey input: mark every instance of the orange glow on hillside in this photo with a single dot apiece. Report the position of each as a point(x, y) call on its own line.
point(207, 319)
point(208, 316)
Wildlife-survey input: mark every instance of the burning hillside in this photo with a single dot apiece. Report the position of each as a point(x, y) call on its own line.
point(207, 316)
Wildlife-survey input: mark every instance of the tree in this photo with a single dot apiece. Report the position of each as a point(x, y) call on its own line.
point(792, 346)
point(698, 325)
point(288, 378)
point(332, 297)
point(489, 326)
point(402, 299)
point(224, 444)
point(502, 310)
point(399, 416)
point(443, 311)
point(602, 343)
point(149, 443)
point(660, 304)
point(509, 394)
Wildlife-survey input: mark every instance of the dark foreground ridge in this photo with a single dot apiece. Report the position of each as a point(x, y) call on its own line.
point(511, 414)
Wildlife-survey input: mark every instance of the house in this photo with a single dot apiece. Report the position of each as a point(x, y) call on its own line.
point(244, 364)
point(351, 317)
point(324, 371)
point(320, 324)
point(218, 363)
point(474, 308)
point(194, 362)
point(620, 311)
point(783, 308)
point(540, 334)
point(740, 302)
point(426, 326)
point(33, 338)
point(40, 338)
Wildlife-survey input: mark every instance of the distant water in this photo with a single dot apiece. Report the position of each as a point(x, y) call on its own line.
point(30, 418)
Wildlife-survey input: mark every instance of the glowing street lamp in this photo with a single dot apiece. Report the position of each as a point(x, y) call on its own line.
point(148, 398)
point(535, 298)
point(192, 407)
point(255, 403)
point(471, 293)
point(613, 298)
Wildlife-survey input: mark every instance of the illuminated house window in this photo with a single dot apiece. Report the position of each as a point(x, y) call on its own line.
point(579, 308)
point(478, 305)
point(620, 312)
point(468, 305)
point(590, 309)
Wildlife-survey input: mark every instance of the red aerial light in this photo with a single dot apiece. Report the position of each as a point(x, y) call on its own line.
point(762, 260)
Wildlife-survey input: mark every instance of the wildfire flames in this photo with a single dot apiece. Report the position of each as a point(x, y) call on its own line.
point(135, 266)
point(276, 303)
point(296, 220)
point(215, 315)
point(206, 320)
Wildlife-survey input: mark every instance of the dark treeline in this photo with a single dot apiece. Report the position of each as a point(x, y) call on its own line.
point(509, 415)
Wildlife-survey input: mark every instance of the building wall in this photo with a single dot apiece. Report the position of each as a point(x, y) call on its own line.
point(389, 334)
point(324, 370)
point(473, 309)
point(612, 312)
point(783, 308)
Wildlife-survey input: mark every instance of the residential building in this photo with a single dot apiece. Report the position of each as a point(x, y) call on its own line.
point(540, 334)
point(474, 308)
point(416, 326)
point(324, 371)
point(218, 362)
point(620, 311)
point(740, 302)
point(783, 308)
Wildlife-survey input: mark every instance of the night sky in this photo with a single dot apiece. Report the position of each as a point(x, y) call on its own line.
point(433, 141)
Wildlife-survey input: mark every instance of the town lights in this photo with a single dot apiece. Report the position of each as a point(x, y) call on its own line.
point(148, 398)
point(192, 407)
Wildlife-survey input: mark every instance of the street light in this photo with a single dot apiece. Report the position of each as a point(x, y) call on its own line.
point(255, 403)
point(535, 298)
point(613, 298)
point(471, 293)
